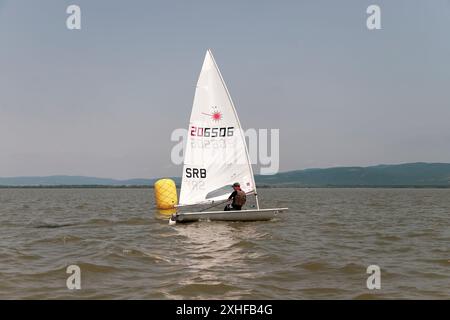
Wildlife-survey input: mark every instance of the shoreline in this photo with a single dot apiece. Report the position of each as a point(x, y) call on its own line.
point(259, 187)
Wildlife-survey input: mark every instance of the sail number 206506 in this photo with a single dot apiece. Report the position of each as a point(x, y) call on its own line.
point(211, 132)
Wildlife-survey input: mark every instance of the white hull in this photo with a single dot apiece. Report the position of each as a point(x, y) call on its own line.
point(242, 215)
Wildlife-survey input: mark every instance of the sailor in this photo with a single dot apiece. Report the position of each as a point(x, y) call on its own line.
point(238, 198)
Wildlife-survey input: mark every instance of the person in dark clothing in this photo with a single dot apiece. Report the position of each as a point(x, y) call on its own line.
point(238, 198)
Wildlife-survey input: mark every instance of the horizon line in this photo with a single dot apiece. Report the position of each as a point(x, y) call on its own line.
point(280, 172)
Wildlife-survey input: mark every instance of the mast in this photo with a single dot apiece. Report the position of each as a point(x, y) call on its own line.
point(240, 127)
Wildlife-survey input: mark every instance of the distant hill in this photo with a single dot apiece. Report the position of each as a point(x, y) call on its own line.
point(401, 175)
point(71, 180)
point(408, 174)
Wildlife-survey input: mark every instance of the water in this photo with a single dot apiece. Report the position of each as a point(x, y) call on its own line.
point(319, 249)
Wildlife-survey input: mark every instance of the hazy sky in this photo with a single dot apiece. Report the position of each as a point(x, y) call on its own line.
point(103, 101)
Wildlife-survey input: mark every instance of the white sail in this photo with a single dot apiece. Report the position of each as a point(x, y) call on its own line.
point(216, 153)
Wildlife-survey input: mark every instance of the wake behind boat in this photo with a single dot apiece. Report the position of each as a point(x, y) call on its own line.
point(216, 156)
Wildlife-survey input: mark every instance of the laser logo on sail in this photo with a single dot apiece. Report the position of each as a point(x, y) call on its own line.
point(215, 114)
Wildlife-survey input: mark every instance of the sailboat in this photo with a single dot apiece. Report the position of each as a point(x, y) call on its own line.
point(216, 155)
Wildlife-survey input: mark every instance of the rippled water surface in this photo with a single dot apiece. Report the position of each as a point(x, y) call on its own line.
point(319, 249)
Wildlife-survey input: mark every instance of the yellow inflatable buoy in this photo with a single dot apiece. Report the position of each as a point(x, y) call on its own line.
point(166, 196)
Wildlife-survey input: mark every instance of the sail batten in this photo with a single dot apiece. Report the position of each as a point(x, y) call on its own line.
point(216, 153)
